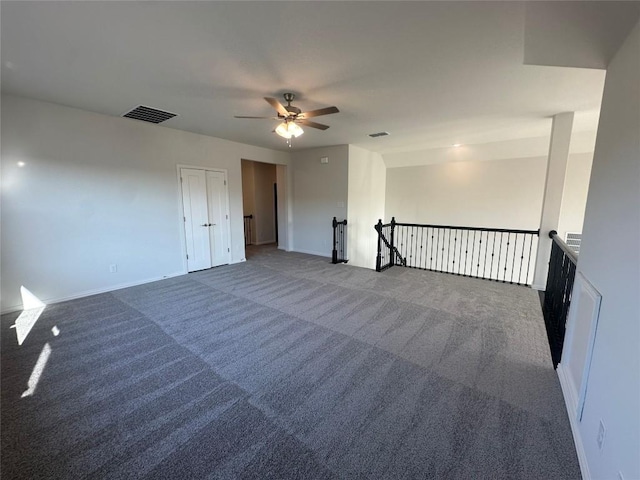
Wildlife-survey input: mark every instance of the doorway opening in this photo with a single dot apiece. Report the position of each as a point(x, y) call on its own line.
point(260, 205)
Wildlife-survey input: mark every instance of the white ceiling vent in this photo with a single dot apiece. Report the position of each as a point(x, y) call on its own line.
point(148, 114)
point(379, 134)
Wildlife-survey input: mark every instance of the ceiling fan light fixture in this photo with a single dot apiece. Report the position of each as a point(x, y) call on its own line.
point(289, 129)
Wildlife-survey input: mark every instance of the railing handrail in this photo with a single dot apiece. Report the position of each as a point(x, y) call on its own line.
point(553, 235)
point(456, 227)
point(341, 222)
point(440, 248)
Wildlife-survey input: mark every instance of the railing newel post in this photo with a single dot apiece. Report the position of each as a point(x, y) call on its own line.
point(334, 253)
point(392, 260)
point(378, 228)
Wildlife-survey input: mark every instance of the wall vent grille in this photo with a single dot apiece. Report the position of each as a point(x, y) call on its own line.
point(148, 114)
point(379, 134)
point(573, 241)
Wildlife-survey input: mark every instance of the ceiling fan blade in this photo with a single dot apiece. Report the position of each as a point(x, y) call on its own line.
point(320, 111)
point(277, 105)
point(242, 116)
point(311, 124)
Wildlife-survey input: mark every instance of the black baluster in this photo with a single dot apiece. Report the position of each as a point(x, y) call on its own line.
point(431, 251)
point(460, 254)
point(449, 250)
point(500, 256)
point(455, 241)
point(444, 236)
point(466, 253)
point(486, 251)
point(493, 252)
point(515, 252)
point(506, 257)
point(410, 247)
point(529, 262)
point(479, 254)
point(473, 250)
point(421, 247)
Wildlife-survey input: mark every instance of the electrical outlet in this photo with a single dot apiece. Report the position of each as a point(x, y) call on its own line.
point(601, 433)
point(113, 268)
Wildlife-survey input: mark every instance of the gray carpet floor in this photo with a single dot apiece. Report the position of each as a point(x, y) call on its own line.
point(288, 367)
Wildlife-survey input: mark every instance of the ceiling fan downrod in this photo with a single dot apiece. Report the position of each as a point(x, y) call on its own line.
point(288, 97)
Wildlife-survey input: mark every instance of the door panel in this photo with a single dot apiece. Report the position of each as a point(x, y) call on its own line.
point(219, 230)
point(194, 198)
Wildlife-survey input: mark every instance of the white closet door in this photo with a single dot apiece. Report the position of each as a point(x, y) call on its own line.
point(196, 219)
point(218, 218)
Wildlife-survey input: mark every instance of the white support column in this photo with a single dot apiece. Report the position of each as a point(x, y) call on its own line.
point(553, 190)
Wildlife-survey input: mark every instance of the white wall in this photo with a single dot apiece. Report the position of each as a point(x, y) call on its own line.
point(99, 190)
point(582, 141)
point(498, 194)
point(610, 261)
point(574, 198)
point(367, 184)
point(319, 193)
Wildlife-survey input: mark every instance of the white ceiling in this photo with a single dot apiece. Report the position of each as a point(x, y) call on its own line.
point(431, 73)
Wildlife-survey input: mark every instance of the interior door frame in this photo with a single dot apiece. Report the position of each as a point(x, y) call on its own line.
point(183, 239)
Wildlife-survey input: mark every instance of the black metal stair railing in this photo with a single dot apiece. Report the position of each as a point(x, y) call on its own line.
point(557, 295)
point(338, 255)
point(388, 255)
point(505, 255)
point(247, 229)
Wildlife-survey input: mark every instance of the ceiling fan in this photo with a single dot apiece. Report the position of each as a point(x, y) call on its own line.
point(292, 117)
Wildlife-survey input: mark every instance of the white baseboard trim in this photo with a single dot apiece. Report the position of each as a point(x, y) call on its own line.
point(311, 252)
point(95, 291)
point(266, 242)
point(568, 391)
point(571, 402)
point(542, 288)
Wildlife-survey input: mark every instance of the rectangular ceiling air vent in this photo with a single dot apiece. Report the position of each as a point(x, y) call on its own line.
point(379, 134)
point(148, 114)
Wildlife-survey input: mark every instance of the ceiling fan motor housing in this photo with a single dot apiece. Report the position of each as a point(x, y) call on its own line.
point(288, 97)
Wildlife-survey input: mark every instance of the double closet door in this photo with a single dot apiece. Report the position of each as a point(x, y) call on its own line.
point(206, 218)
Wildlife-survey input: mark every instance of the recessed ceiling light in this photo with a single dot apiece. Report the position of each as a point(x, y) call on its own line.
point(456, 145)
point(21, 164)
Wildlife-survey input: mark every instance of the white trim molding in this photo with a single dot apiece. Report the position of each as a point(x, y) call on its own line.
point(95, 291)
point(311, 252)
point(571, 402)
